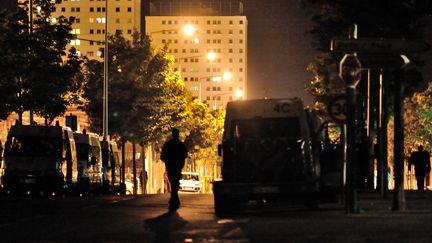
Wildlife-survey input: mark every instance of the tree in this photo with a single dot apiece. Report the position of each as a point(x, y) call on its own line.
point(40, 79)
point(144, 93)
point(375, 19)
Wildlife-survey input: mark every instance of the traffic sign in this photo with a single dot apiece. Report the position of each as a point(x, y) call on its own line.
point(387, 60)
point(337, 109)
point(350, 70)
point(379, 45)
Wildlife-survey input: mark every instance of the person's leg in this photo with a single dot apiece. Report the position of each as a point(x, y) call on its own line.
point(174, 178)
point(420, 182)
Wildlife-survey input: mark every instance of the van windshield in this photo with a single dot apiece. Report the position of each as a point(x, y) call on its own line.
point(33, 146)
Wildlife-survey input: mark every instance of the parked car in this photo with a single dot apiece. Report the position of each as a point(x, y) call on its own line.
point(190, 182)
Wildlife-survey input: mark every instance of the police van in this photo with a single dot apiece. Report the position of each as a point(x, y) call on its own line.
point(268, 155)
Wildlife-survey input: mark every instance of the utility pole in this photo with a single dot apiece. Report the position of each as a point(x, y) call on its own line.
point(399, 193)
point(105, 78)
point(350, 71)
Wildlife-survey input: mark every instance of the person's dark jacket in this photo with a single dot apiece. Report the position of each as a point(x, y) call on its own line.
point(174, 153)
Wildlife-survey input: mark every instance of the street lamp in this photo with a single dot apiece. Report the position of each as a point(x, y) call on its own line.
point(227, 76)
point(237, 93)
point(187, 29)
point(211, 56)
point(105, 81)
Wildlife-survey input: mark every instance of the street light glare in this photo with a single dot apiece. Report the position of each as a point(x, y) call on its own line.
point(239, 93)
point(189, 29)
point(211, 56)
point(227, 76)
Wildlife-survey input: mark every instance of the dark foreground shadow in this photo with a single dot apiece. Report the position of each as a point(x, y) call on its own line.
point(164, 225)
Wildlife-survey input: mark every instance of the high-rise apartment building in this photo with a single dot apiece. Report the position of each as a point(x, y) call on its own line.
point(211, 53)
point(90, 17)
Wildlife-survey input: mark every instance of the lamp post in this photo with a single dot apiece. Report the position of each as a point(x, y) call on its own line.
point(105, 80)
point(210, 56)
point(218, 78)
point(237, 93)
point(187, 29)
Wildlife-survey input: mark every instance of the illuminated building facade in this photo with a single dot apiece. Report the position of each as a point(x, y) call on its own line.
point(219, 28)
point(89, 21)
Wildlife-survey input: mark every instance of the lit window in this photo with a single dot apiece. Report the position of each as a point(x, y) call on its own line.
point(91, 20)
point(100, 20)
point(75, 42)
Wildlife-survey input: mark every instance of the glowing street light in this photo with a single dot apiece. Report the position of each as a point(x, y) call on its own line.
point(239, 93)
point(189, 29)
point(227, 76)
point(211, 56)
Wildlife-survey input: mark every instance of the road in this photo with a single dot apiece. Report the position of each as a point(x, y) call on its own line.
point(145, 219)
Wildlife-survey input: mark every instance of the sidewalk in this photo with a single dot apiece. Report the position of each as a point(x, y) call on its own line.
point(415, 201)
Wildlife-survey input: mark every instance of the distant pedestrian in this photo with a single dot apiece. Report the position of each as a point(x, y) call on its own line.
point(173, 154)
point(421, 161)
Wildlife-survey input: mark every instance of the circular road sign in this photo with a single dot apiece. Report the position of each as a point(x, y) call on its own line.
point(337, 109)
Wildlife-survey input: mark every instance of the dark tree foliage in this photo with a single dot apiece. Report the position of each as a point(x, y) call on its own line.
point(141, 90)
point(375, 19)
point(34, 75)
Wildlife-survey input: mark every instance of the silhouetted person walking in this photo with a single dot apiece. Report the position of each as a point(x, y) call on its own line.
point(421, 161)
point(173, 154)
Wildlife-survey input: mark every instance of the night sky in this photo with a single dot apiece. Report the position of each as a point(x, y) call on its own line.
point(279, 50)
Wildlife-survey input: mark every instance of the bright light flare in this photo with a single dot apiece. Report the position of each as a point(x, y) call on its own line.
point(189, 29)
point(211, 56)
point(227, 76)
point(239, 93)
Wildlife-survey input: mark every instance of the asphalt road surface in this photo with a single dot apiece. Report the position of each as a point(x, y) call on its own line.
point(145, 219)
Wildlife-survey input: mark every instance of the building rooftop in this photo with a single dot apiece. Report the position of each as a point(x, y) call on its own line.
point(196, 8)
